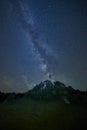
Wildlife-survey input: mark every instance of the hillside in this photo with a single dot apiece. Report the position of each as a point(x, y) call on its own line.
point(47, 106)
point(49, 91)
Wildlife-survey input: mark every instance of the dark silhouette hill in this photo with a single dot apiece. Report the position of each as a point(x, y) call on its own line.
point(57, 91)
point(47, 106)
point(48, 91)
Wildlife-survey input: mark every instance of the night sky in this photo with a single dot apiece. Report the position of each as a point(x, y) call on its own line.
point(42, 39)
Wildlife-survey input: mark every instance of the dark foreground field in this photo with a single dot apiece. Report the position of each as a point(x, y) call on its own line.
point(40, 115)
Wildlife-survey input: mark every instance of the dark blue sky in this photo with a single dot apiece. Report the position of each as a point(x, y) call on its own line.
point(41, 39)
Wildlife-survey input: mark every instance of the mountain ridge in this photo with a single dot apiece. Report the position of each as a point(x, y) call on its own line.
point(49, 91)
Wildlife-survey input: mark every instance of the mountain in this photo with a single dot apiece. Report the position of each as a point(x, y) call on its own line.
point(49, 91)
point(48, 106)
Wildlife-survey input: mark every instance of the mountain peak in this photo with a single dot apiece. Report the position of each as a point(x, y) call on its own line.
point(46, 84)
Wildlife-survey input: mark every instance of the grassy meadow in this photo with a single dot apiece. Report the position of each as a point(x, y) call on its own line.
point(27, 114)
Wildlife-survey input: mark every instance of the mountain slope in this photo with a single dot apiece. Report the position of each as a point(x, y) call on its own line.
point(49, 91)
point(57, 91)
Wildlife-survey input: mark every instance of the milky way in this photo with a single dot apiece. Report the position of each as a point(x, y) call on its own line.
point(42, 39)
point(21, 12)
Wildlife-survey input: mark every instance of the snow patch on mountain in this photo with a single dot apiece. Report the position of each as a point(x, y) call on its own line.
point(66, 100)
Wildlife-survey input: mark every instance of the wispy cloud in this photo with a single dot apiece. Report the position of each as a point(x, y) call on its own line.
point(8, 81)
point(9, 84)
point(25, 80)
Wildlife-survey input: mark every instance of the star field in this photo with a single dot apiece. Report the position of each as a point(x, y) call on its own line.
point(43, 39)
